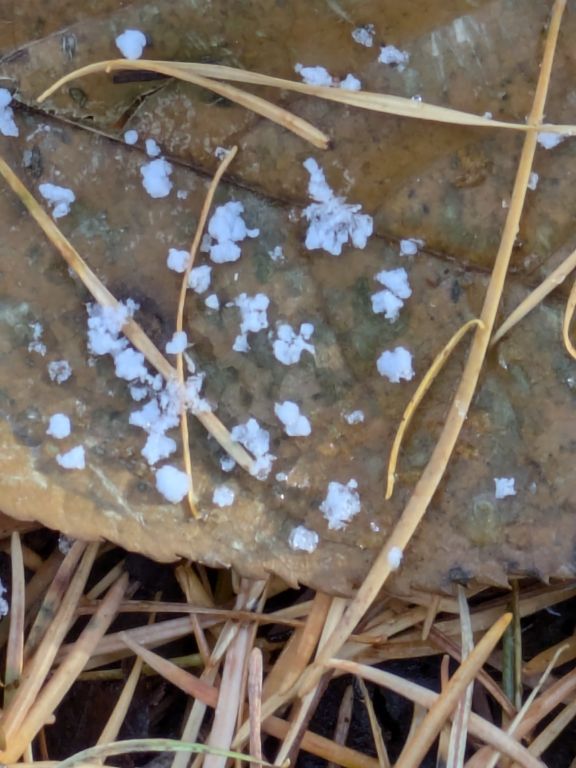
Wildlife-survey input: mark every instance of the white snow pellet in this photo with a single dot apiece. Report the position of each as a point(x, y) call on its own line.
point(177, 343)
point(7, 125)
point(314, 75)
point(395, 365)
point(200, 277)
point(257, 441)
point(332, 221)
point(59, 426)
point(288, 346)
point(504, 486)
point(253, 314)
point(396, 280)
point(295, 423)
point(341, 504)
point(384, 302)
point(129, 364)
point(223, 496)
point(351, 83)
point(409, 246)
point(131, 137)
point(131, 43)
point(59, 371)
point(156, 177)
point(212, 301)
point(364, 35)
point(152, 148)
point(394, 57)
point(60, 198)
point(354, 417)
point(177, 260)
point(395, 558)
point(74, 459)
point(549, 140)
point(303, 539)
point(172, 483)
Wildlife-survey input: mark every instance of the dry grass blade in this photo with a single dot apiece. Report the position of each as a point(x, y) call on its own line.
point(418, 396)
point(424, 697)
point(553, 729)
point(459, 731)
point(195, 719)
point(60, 682)
point(381, 750)
point(129, 746)
point(251, 102)
point(568, 315)
point(15, 649)
point(38, 668)
point(488, 759)
point(540, 662)
point(415, 750)
point(180, 315)
point(103, 296)
point(434, 471)
point(344, 719)
point(201, 74)
point(204, 692)
point(531, 301)
point(255, 701)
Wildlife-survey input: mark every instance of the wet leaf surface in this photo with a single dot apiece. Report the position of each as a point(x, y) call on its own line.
point(442, 184)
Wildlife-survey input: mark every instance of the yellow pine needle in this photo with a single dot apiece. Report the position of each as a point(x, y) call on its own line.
point(248, 100)
point(531, 301)
point(206, 74)
point(568, 315)
point(180, 316)
point(131, 328)
point(418, 396)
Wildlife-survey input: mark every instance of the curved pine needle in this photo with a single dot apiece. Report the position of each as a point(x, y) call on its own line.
point(206, 74)
point(531, 301)
point(418, 396)
point(180, 316)
point(568, 315)
point(254, 103)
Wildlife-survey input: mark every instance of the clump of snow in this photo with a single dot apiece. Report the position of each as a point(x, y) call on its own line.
point(409, 246)
point(394, 57)
point(341, 504)
point(321, 76)
point(172, 483)
point(162, 411)
point(354, 417)
point(227, 463)
point(199, 278)
point(4, 607)
point(131, 136)
point(59, 371)
point(364, 35)
point(253, 315)
point(131, 43)
point(391, 300)
point(533, 181)
point(36, 345)
point(152, 148)
point(223, 496)
point(212, 301)
point(549, 140)
point(177, 260)
point(314, 75)
point(295, 423)
point(177, 343)
point(60, 198)
point(226, 229)
point(288, 346)
point(395, 365)
point(7, 125)
point(129, 364)
point(504, 487)
point(156, 177)
point(257, 441)
point(395, 558)
point(351, 83)
point(75, 458)
point(276, 254)
point(303, 539)
point(332, 221)
point(59, 426)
